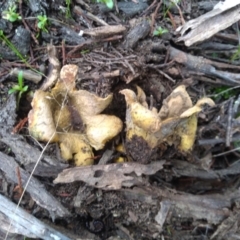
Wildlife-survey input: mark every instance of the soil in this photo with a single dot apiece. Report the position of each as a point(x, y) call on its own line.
point(193, 194)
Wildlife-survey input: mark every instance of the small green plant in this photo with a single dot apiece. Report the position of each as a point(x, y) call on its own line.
point(42, 22)
point(11, 15)
point(68, 12)
point(19, 89)
point(236, 55)
point(159, 31)
point(108, 3)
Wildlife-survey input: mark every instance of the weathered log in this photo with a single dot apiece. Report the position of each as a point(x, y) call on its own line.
point(35, 188)
point(23, 223)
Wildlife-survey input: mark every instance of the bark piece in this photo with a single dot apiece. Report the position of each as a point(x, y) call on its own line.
point(35, 188)
point(105, 31)
point(138, 32)
point(112, 176)
point(222, 16)
point(162, 213)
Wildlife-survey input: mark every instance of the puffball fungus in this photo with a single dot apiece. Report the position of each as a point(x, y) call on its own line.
point(177, 119)
point(73, 118)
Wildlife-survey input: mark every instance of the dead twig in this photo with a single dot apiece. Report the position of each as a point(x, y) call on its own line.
point(18, 188)
point(154, 16)
point(20, 125)
point(161, 73)
point(180, 11)
point(172, 20)
point(156, 66)
point(89, 15)
point(63, 53)
point(125, 60)
point(103, 32)
point(149, 8)
point(203, 66)
point(78, 47)
point(229, 123)
point(14, 64)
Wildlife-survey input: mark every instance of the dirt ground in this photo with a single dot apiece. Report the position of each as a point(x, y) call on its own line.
point(156, 121)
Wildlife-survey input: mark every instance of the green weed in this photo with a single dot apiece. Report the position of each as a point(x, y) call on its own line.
point(19, 88)
point(159, 31)
point(42, 22)
point(11, 14)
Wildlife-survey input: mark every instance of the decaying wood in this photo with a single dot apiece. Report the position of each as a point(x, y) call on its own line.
point(161, 216)
point(214, 208)
point(28, 155)
point(24, 223)
point(200, 65)
point(8, 115)
point(138, 32)
point(111, 176)
point(182, 168)
point(211, 207)
point(139, 194)
point(35, 188)
point(222, 16)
